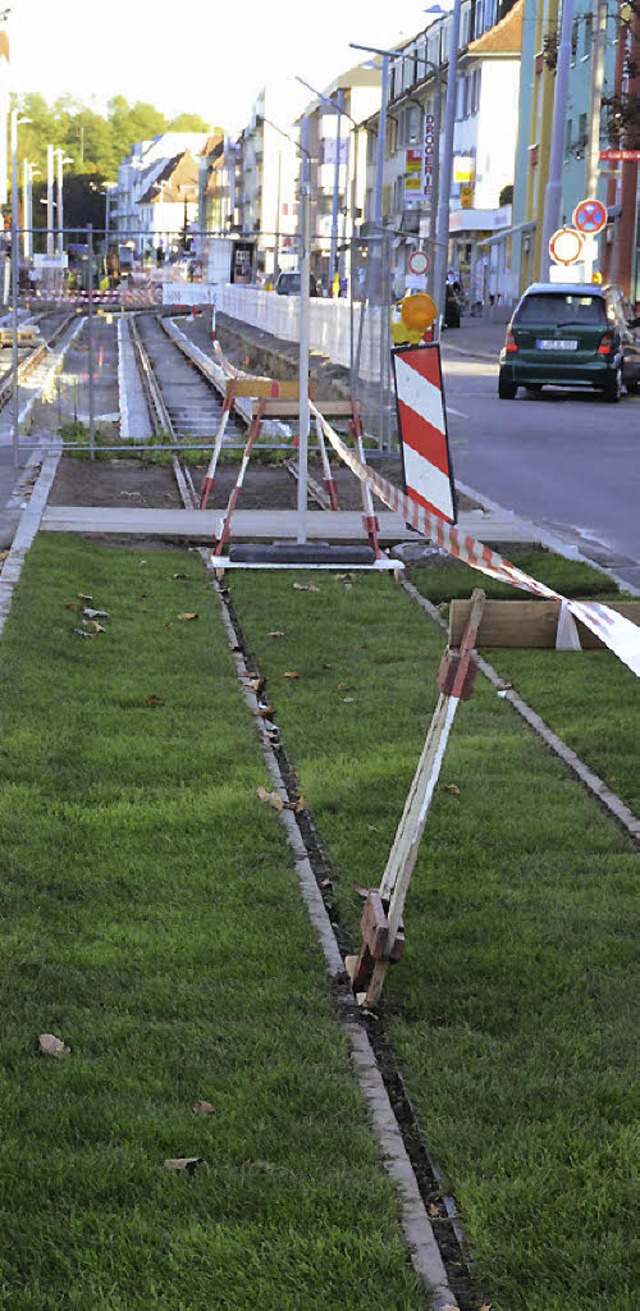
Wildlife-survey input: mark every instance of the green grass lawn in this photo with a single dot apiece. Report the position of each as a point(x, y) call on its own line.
point(590, 699)
point(514, 1010)
point(151, 920)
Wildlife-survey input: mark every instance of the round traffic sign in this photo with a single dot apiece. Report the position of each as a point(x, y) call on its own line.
point(590, 217)
point(419, 262)
point(565, 246)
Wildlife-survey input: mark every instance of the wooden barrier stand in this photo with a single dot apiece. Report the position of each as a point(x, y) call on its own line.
point(381, 923)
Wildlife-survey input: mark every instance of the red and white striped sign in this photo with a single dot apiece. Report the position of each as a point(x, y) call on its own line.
point(422, 424)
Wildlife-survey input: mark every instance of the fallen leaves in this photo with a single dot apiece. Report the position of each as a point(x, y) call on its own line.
point(180, 576)
point(261, 1167)
point(280, 803)
point(154, 700)
point(305, 587)
point(52, 1046)
point(264, 712)
point(291, 674)
point(184, 1164)
point(203, 1108)
point(452, 788)
point(276, 632)
point(187, 616)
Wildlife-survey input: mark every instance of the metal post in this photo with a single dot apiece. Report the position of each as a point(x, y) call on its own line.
point(49, 200)
point(305, 260)
point(276, 243)
point(14, 286)
point(59, 215)
point(597, 83)
point(92, 434)
point(435, 180)
point(553, 193)
point(26, 221)
point(441, 254)
point(333, 258)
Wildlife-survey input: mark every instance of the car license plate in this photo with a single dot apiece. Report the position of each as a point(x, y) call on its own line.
point(543, 344)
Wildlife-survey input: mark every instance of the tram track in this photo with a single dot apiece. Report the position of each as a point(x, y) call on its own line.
point(34, 358)
point(432, 1227)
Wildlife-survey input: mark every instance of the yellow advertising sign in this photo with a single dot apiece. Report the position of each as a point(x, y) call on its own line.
point(466, 196)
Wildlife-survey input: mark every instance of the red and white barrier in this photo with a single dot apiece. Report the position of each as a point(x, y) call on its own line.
point(422, 423)
point(618, 634)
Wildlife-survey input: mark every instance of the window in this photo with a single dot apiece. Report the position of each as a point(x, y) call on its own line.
point(568, 136)
point(587, 36)
point(574, 39)
point(583, 135)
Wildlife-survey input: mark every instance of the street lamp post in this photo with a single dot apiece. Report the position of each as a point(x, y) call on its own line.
point(29, 172)
point(15, 265)
point(50, 229)
point(61, 160)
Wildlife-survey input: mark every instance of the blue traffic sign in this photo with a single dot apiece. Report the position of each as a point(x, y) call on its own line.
point(590, 217)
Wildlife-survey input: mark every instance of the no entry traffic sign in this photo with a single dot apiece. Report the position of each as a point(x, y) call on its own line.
point(590, 217)
point(566, 245)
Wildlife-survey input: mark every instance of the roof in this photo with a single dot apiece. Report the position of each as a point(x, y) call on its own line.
point(504, 38)
point(566, 288)
point(181, 172)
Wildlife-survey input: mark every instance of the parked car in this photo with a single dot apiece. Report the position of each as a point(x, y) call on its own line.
point(571, 335)
point(288, 284)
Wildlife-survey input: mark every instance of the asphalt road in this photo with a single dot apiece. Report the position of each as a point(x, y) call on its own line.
point(567, 460)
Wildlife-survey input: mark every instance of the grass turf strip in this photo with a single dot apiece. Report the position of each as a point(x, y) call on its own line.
point(590, 699)
point(514, 1008)
point(152, 921)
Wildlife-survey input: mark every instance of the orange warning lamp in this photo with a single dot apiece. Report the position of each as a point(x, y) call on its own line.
point(418, 312)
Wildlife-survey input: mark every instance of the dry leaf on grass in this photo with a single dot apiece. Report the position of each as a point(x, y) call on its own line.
point(433, 1211)
point(188, 615)
point(291, 674)
point(280, 803)
point(73, 605)
point(82, 632)
point(93, 623)
point(52, 1046)
point(82, 596)
point(89, 613)
point(262, 1167)
point(203, 1108)
point(184, 1164)
point(348, 700)
point(343, 687)
point(305, 587)
point(264, 712)
point(452, 788)
point(180, 576)
point(154, 700)
point(270, 798)
point(277, 632)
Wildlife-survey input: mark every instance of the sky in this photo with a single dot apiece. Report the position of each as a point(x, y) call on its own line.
point(207, 58)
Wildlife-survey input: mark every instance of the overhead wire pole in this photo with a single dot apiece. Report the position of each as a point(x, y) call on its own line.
point(446, 168)
point(305, 261)
point(597, 84)
point(14, 286)
point(553, 194)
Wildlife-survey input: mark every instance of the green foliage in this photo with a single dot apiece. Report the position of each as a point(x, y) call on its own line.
point(96, 144)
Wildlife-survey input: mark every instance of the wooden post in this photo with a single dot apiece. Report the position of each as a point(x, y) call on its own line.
point(455, 680)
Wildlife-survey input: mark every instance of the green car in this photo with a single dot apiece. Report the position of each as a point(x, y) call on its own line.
point(571, 335)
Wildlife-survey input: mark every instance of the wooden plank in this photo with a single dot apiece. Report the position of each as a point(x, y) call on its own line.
point(282, 409)
point(526, 624)
point(263, 387)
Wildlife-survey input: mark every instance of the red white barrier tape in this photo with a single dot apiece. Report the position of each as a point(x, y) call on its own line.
point(618, 633)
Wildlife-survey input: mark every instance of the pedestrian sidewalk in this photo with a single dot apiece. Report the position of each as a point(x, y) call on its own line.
point(479, 337)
